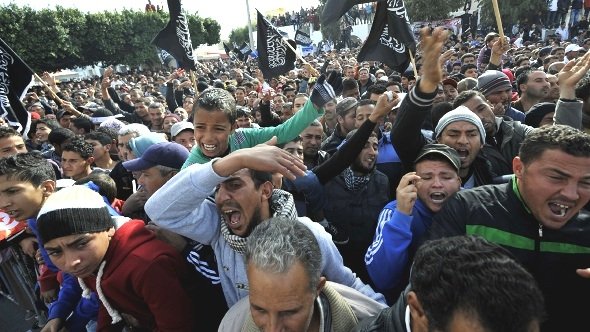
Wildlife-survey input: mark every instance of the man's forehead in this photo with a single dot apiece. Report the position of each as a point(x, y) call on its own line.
point(242, 174)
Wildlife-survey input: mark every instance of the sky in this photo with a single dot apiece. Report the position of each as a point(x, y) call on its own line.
point(229, 14)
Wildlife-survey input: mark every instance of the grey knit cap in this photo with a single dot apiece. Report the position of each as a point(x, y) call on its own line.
point(461, 113)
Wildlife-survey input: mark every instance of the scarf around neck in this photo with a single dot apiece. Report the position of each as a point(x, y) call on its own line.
point(354, 182)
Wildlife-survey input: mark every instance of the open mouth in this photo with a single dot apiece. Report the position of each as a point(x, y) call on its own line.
point(559, 210)
point(463, 153)
point(232, 217)
point(209, 147)
point(438, 197)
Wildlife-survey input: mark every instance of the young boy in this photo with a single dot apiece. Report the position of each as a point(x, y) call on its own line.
point(215, 123)
point(26, 181)
point(140, 281)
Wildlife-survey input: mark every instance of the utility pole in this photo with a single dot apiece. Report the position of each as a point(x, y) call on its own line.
point(249, 25)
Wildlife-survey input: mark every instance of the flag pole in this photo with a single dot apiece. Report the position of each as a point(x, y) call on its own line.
point(498, 18)
point(51, 92)
point(192, 76)
point(313, 71)
point(413, 63)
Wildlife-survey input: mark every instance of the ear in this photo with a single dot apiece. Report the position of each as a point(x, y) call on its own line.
point(321, 285)
point(419, 320)
point(48, 187)
point(170, 175)
point(111, 232)
point(517, 167)
point(267, 189)
point(90, 160)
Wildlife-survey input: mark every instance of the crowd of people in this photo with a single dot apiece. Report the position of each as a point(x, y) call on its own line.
point(340, 196)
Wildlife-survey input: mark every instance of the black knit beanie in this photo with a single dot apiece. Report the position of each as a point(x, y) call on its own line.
point(73, 210)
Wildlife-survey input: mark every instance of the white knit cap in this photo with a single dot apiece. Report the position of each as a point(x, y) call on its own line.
point(73, 210)
point(461, 113)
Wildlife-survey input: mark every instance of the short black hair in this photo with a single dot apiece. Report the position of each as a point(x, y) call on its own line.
point(106, 185)
point(83, 123)
point(472, 275)
point(78, 145)
point(101, 137)
point(27, 167)
point(215, 99)
point(60, 135)
point(557, 137)
point(377, 88)
point(8, 132)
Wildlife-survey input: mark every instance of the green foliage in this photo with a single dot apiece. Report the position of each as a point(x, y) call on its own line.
point(428, 10)
point(53, 39)
point(240, 35)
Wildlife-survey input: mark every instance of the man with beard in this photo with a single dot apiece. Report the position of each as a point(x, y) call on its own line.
point(553, 89)
point(538, 216)
point(354, 200)
point(497, 90)
point(403, 223)
point(311, 139)
point(345, 114)
point(244, 197)
point(533, 86)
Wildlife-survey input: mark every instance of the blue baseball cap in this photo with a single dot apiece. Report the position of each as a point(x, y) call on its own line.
point(167, 154)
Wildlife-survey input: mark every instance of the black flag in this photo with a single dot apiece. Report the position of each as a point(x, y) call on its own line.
point(175, 37)
point(274, 56)
point(389, 49)
point(399, 24)
point(15, 79)
point(226, 48)
point(334, 9)
point(302, 38)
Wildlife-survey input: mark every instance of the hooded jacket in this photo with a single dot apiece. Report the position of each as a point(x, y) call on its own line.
point(145, 280)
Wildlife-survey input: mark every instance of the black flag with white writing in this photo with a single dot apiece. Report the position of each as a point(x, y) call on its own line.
point(274, 56)
point(175, 38)
point(334, 9)
point(386, 48)
point(399, 24)
point(302, 38)
point(15, 78)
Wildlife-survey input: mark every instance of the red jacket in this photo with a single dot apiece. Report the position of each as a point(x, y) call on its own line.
point(146, 279)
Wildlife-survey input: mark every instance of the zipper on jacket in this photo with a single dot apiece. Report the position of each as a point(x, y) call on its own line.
point(540, 230)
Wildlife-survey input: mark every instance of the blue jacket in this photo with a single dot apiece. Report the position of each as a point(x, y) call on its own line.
point(396, 239)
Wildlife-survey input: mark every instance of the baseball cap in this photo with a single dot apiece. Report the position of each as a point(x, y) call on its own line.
point(572, 48)
point(167, 154)
point(450, 81)
point(443, 150)
point(180, 126)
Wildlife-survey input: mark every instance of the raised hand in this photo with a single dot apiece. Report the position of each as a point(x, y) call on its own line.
point(322, 92)
point(431, 45)
point(407, 193)
point(384, 106)
point(263, 157)
point(571, 74)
